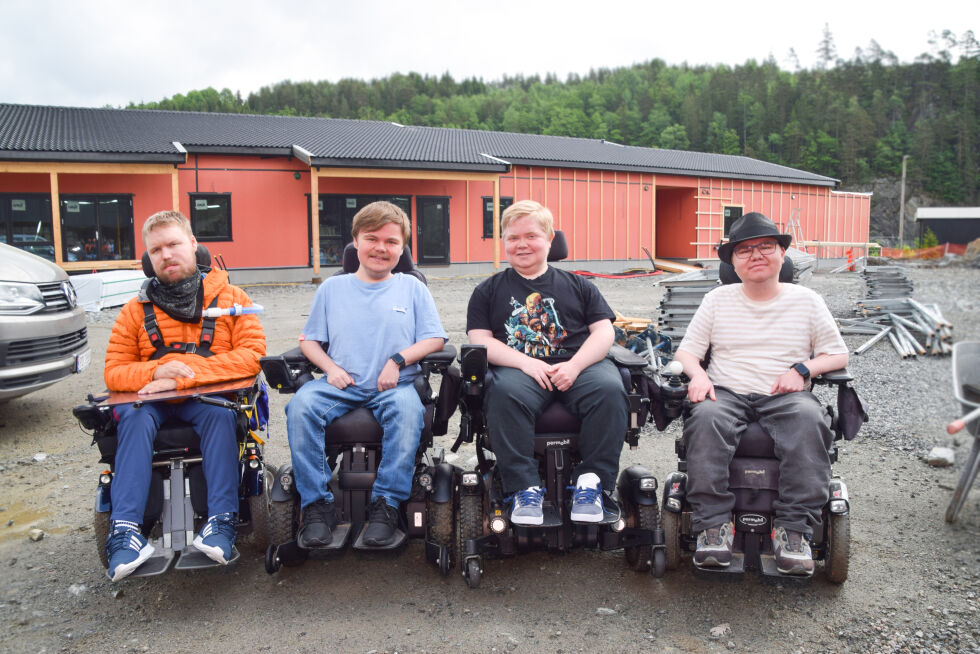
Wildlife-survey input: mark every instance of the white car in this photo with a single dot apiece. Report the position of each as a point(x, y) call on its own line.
point(43, 337)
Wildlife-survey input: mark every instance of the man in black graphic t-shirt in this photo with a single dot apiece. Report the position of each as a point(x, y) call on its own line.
point(547, 333)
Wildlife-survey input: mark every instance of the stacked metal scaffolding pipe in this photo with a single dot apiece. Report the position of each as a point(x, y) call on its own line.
point(913, 328)
point(681, 299)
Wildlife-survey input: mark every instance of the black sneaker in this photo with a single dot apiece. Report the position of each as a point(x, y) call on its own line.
point(318, 519)
point(381, 525)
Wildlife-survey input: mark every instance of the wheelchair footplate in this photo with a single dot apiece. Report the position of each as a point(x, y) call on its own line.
point(359, 544)
point(338, 541)
point(608, 518)
point(155, 565)
point(552, 518)
point(194, 559)
point(767, 567)
point(737, 566)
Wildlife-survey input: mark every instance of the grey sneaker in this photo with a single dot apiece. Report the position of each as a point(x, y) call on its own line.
point(587, 499)
point(528, 507)
point(792, 552)
point(715, 546)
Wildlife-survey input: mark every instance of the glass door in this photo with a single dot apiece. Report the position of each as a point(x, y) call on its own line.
point(433, 230)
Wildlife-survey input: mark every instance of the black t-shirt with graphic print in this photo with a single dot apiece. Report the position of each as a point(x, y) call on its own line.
point(547, 317)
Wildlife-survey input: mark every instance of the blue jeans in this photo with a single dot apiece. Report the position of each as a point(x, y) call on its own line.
point(400, 413)
point(137, 427)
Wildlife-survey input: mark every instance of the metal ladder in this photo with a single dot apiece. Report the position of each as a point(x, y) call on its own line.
point(796, 229)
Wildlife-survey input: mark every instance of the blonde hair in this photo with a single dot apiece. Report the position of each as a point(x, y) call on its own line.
point(535, 210)
point(376, 215)
point(165, 218)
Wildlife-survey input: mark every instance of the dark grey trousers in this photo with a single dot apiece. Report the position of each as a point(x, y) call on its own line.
point(597, 399)
point(800, 428)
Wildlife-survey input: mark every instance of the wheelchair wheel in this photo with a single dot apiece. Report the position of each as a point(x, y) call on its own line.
point(642, 517)
point(838, 548)
point(469, 526)
point(282, 515)
point(472, 573)
point(441, 532)
point(101, 528)
point(272, 562)
point(672, 539)
point(258, 507)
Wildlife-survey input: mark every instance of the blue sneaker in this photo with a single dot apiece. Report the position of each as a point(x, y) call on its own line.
point(126, 548)
point(528, 507)
point(217, 537)
point(587, 499)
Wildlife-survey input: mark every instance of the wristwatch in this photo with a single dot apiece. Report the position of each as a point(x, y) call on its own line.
point(803, 370)
point(400, 360)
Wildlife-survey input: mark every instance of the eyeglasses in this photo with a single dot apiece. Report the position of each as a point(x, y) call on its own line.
point(745, 251)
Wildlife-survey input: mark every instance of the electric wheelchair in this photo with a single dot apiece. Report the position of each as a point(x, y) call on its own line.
point(754, 479)
point(176, 505)
point(631, 519)
point(353, 447)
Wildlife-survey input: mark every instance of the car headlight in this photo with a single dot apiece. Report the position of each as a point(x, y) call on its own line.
point(20, 299)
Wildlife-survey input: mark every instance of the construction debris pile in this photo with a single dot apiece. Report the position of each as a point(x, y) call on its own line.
point(681, 299)
point(889, 311)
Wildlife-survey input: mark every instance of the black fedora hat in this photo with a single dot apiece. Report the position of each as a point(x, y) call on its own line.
point(750, 226)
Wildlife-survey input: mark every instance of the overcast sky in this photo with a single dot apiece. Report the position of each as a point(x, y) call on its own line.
point(94, 53)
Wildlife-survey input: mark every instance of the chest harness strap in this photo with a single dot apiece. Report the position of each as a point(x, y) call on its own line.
point(156, 338)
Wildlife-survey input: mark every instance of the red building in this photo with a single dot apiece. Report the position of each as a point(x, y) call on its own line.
point(76, 186)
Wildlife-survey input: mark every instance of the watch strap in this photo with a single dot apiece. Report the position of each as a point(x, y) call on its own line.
point(399, 360)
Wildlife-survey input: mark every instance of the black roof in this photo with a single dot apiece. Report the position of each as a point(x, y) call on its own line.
point(41, 133)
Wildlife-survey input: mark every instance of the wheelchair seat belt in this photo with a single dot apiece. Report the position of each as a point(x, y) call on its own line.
point(202, 348)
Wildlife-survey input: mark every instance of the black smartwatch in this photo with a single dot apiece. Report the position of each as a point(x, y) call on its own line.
point(803, 370)
point(400, 360)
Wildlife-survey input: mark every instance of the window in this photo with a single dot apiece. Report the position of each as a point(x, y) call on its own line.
point(25, 222)
point(336, 216)
point(731, 215)
point(97, 227)
point(211, 216)
point(488, 213)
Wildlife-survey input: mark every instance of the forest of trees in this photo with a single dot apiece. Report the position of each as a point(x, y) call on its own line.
point(851, 119)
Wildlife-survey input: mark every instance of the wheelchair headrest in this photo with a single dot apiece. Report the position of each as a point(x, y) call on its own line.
point(727, 274)
point(559, 247)
point(203, 261)
point(404, 265)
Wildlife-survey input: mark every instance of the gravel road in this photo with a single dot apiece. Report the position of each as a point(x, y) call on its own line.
point(913, 583)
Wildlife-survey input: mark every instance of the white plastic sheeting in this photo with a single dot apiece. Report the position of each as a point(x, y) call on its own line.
point(111, 288)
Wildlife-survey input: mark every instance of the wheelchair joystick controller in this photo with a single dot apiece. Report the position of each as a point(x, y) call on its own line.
point(675, 390)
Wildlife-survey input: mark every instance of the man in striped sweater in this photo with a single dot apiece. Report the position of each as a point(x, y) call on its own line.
point(767, 339)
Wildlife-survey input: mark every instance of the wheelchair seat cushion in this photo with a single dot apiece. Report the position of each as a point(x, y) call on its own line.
point(176, 434)
point(755, 442)
point(556, 419)
point(357, 426)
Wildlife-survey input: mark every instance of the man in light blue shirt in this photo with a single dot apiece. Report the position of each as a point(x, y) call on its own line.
point(366, 331)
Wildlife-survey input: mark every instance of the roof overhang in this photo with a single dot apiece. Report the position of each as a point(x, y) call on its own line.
point(93, 157)
point(330, 162)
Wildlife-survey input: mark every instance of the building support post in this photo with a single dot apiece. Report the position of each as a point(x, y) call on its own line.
point(496, 221)
point(901, 207)
point(315, 218)
point(56, 219)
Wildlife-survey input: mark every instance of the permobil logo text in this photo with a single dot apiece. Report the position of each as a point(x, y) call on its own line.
point(564, 441)
point(752, 519)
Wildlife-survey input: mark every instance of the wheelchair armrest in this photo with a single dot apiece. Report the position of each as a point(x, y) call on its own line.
point(438, 361)
point(839, 376)
point(288, 371)
point(625, 358)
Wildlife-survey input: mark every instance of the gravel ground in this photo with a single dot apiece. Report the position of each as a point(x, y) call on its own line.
point(913, 580)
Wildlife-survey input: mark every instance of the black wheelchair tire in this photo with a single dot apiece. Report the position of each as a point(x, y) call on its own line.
point(672, 539)
point(272, 563)
point(473, 573)
point(258, 507)
point(642, 516)
point(469, 525)
point(441, 531)
point(283, 516)
point(659, 563)
point(100, 525)
point(838, 548)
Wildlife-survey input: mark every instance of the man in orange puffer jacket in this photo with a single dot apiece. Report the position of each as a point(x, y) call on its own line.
point(175, 298)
